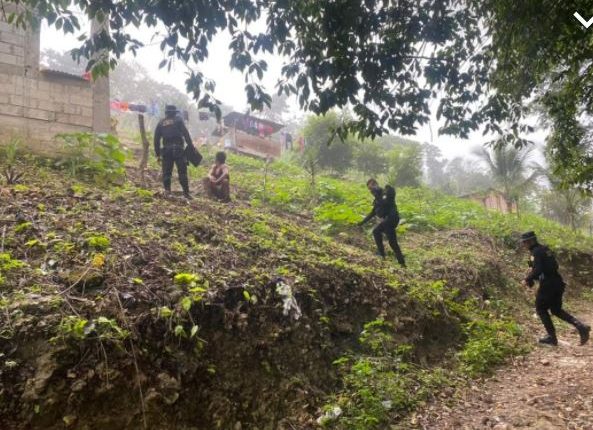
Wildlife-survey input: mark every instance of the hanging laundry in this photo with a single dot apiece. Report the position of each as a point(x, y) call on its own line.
point(115, 105)
point(137, 108)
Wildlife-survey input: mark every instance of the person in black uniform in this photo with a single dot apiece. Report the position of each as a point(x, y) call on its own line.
point(544, 269)
point(385, 209)
point(172, 131)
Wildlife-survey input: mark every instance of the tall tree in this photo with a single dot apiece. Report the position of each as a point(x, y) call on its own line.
point(386, 59)
point(332, 152)
point(463, 177)
point(568, 206)
point(405, 165)
point(434, 166)
point(562, 201)
point(483, 59)
point(370, 158)
point(511, 171)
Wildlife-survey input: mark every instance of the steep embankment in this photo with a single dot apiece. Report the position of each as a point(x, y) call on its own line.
point(120, 309)
point(549, 389)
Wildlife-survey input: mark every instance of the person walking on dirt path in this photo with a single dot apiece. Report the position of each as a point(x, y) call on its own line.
point(218, 182)
point(544, 269)
point(172, 132)
point(385, 209)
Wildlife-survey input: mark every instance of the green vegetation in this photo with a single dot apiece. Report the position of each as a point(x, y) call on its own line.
point(339, 204)
point(98, 156)
point(101, 328)
point(195, 286)
point(98, 242)
point(7, 263)
point(489, 344)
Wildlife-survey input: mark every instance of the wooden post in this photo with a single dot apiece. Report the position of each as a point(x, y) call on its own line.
point(145, 147)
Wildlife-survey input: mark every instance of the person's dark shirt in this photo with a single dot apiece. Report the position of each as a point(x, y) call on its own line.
point(543, 264)
point(171, 131)
point(384, 205)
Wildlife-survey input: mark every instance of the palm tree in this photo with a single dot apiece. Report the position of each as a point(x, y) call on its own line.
point(511, 171)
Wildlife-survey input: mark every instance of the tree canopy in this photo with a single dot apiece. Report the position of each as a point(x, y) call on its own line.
point(483, 60)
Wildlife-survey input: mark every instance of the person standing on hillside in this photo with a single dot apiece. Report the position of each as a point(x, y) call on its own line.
point(544, 269)
point(172, 132)
point(218, 182)
point(385, 209)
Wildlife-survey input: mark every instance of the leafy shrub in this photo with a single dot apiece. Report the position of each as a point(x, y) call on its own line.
point(98, 156)
point(10, 153)
point(102, 328)
point(489, 343)
point(380, 384)
point(7, 263)
point(186, 279)
point(98, 243)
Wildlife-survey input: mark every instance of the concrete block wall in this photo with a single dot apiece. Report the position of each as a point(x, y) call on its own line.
point(37, 104)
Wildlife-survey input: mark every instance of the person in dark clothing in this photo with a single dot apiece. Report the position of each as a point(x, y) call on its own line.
point(544, 269)
point(172, 132)
point(385, 209)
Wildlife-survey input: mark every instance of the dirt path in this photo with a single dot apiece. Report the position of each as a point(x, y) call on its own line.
point(551, 388)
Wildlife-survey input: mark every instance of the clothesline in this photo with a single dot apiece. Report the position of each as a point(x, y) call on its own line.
point(151, 109)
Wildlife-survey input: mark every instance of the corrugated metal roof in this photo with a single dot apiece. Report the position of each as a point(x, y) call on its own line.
point(62, 74)
point(234, 117)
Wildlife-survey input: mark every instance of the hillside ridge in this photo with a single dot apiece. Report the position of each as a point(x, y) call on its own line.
point(125, 310)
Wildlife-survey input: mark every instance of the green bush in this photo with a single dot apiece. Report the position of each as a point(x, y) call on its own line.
point(98, 242)
point(380, 384)
point(100, 157)
point(7, 263)
point(489, 343)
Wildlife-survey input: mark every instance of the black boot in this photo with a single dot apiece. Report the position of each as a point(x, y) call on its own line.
point(584, 331)
point(549, 340)
point(187, 195)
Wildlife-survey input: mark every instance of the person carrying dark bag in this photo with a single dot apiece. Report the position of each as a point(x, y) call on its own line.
point(385, 209)
point(172, 132)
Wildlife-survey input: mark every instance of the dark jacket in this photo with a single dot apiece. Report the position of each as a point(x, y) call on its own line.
point(544, 267)
point(172, 132)
point(384, 205)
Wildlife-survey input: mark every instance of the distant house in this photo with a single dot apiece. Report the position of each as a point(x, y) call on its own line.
point(493, 199)
point(250, 135)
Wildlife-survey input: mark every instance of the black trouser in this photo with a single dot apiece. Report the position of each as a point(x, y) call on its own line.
point(387, 227)
point(173, 155)
point(549, 298)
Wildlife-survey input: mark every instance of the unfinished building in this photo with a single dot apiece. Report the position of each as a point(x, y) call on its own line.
point(36, 104)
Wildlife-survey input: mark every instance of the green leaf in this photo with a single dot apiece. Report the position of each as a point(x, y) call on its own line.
point(186, 303)
point(180, 331)
point(165, 312)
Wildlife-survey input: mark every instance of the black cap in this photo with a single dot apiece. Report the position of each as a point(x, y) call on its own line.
point(528, 236)
point(171, 109)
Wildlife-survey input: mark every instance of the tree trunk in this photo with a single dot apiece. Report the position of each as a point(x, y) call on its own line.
point(145, 147)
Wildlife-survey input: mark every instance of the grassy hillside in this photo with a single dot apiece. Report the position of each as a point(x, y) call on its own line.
point(339, 204)
point(121, 309)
